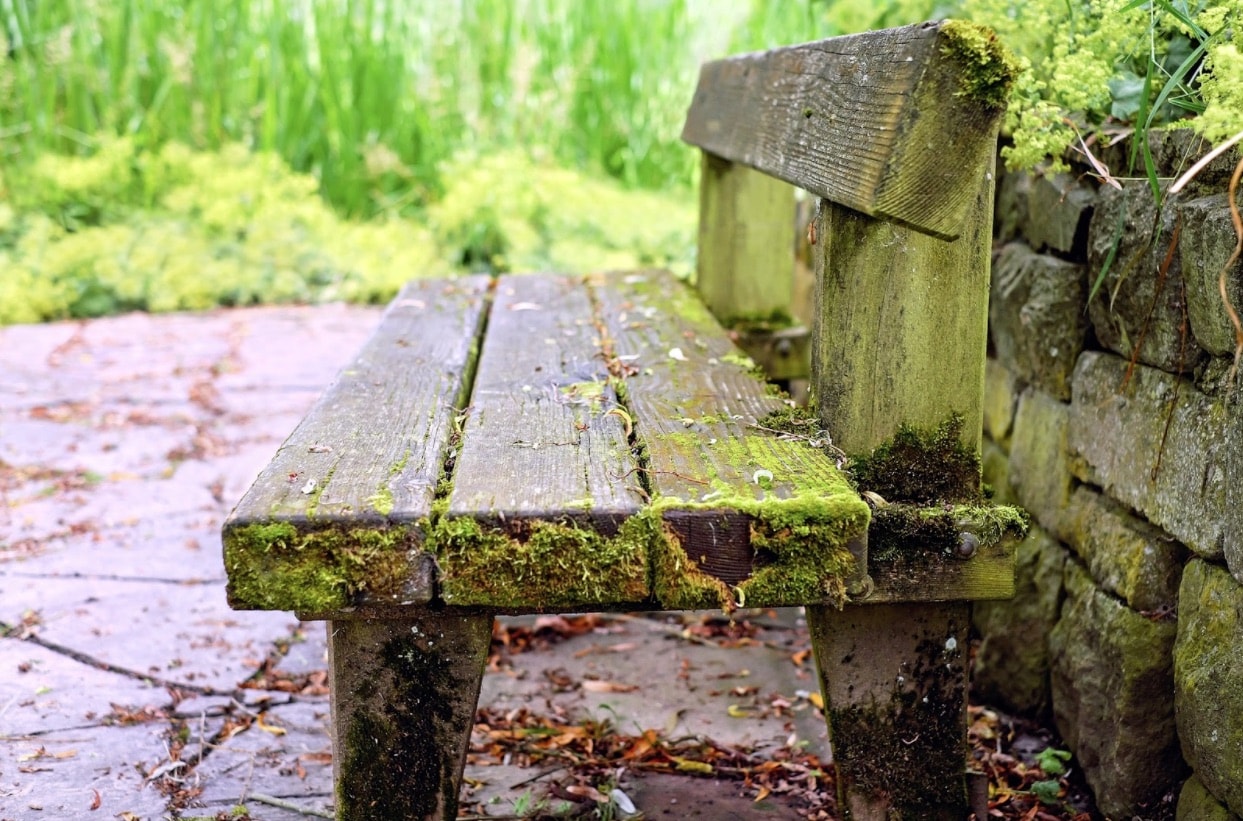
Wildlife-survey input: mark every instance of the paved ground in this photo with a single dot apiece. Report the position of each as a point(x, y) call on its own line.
point(123, 444)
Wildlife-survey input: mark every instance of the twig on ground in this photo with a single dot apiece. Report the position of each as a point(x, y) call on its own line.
point(281, 803)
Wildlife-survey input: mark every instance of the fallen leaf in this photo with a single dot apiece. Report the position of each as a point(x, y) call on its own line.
point(597, 686)
point(762, 794)
point(738, 711)
point(268, 728)
point(588, 792)
point(96, 799)
point(688, 765)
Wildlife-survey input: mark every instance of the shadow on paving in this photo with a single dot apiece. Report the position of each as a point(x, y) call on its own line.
point(129, 689)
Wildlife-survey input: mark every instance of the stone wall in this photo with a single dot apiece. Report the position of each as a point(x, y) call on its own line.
point(1113, 422)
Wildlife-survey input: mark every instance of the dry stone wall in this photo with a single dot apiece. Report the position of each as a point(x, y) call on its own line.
point(1110, 416)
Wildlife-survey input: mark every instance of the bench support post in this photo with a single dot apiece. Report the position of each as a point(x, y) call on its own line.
point(903, 323)
point(404, 693)
point(745, 272)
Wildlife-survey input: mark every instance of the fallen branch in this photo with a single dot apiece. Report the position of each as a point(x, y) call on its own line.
point(281, 803)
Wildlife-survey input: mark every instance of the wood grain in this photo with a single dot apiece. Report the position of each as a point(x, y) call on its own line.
point(540, 441)
point(746, 243)
point(371, 449)
point(695, 401)
point(870, 121)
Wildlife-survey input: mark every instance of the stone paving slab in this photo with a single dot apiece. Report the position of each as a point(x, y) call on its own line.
point(123, 444)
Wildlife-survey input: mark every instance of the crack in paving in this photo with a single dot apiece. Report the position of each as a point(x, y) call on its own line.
point(104, 577)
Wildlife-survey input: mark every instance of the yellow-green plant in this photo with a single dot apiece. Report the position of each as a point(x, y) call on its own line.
point(1092, 66)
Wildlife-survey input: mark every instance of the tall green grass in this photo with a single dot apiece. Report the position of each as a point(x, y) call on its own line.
point(373, 96)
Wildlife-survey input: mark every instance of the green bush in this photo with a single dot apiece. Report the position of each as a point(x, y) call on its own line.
point(176, 229)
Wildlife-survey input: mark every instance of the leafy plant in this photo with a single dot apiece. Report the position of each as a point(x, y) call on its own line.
point(1095, 68)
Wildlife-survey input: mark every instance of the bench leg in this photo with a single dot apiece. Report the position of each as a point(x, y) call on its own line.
point(894, 681)
point(403, 704)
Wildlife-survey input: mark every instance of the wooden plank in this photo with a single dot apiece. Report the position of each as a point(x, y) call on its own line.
point(545, 463)
point(330, 522)
point(896, 698)
point(744, 509)
point(900, 335)
point(901, 323)
point(404, 693)
point(746, 245)
point(867, 120)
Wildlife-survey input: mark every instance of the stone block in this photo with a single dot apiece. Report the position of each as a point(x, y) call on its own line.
point(1113, 697)
point(1126, 556)
point(1206, 243)
point(1195, 803)
point(1208, 669)
point(1058, 212)
point(1141, 302)
point(1039, 465)
point(1010, 204)
point(995, 467)
point(1037, 318)
point(1001, 397)
point(1012, 664)
point(1176, 476)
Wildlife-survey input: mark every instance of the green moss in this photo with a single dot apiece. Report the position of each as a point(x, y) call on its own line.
point(921, 466)
point(540, 563)
point(799, 546)
point(313, 504)
point(776, 320)
point(382, 500)
point(989, 69)
point(899, 528)
point(279, 567)
point(677, 581)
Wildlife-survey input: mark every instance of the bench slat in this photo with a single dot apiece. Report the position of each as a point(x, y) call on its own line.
point(545, 462)
point(331, 520)
point(714, 476)
point(866, 120)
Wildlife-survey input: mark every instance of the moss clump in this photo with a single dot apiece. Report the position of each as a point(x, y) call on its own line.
point(922, 466)
point(541, 563)
point(799, 548)
point(279, 567)
point(990, 70)
point(677, 581)
point(776, 320)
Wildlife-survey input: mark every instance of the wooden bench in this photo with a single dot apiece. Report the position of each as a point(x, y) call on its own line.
point(579, 443)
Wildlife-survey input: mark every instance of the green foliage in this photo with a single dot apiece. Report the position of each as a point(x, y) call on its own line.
point(504, 212)
point(1053, 761)
point(1091, 66)
point(175, 229)
point(372, 96)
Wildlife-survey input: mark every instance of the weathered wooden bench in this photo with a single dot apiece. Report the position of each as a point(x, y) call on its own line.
point(580, 443)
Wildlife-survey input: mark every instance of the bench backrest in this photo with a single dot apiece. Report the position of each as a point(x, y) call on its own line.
point(896, 131)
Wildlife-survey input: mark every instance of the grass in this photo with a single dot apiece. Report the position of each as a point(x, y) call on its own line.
point(373, 96)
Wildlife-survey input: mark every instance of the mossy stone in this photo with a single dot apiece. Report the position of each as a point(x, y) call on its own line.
point(1125, 555)
point(1196, 803)
point(1037, 317)
point(1012, 663)
point(1113, 697)
point(1208, 669)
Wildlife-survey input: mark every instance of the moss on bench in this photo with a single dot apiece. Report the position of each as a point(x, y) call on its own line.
point(276, 567)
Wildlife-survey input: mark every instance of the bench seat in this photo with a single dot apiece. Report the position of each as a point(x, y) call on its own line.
point(546, 442)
